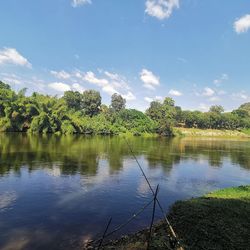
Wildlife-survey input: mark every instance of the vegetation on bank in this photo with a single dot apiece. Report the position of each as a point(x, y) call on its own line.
point(84, 113)
point(219, 220)
point(220, 133)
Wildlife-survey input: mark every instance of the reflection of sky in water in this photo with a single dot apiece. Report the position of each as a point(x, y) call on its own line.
point(56, 196)
point(7, 200)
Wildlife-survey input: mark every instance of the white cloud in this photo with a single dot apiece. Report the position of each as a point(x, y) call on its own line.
point(110, 90)
point(109, 83)
point(12, 56)
point(174, 92)
point(60, 74)
point(77, 87)
point(242, 24)
point(11, 80)
point(241, 95)
point(91, 78)
point(161, 9)
point(117, 81)
point(77, 3)
point(221, 92)
point(159, 98)
point(149, 79)
point(222, 78)
point(204, 107)
point(129, 96)
point(214, 99)
point(208, 92)
point(112, 75)
point(148, 99)
point(59, 86)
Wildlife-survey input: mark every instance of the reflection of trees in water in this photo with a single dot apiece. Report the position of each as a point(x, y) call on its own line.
point(217, 150)
point(81, 154)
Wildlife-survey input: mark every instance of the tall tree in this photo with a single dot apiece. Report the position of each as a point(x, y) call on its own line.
point(91, 102)
point(216, 109)
point(73, 99)
point(117, 102)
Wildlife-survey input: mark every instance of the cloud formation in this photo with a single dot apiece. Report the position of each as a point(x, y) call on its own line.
point(174, 92)
point(222, 78)
point(60, 74)
point(77, 87)
point(208, 92)
point(242, 25)
point(161, 9)
point(150, 80)
point(77, 3)
point(242, 95)
point(12, 56)
point(59, 86)
point(109, 82)
point(150, 99)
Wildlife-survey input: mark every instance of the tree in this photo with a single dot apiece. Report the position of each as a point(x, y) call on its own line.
point(155, 110)
point(117, 102)
point(4, 85)
point(216, 109)
point(73, 99)
point(91, 102)
point(168, 101)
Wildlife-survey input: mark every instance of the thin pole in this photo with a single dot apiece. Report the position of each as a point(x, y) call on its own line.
point(104, 234)
point(153, 217)
point(162, 211)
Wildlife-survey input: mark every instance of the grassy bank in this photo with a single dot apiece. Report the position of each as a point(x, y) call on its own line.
point(211, 132)
point(219, 220)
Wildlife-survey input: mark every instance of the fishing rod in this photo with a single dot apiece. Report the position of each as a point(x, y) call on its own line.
point(175, 241)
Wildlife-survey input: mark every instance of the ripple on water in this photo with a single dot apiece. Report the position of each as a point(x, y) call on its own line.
point(7, 199)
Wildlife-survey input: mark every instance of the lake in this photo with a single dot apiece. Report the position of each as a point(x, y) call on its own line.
point(58, 191)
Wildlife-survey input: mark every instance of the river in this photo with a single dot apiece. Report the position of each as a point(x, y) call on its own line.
point(58, 191)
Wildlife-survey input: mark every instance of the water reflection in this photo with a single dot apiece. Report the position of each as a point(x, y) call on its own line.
point(78, 154)
point(56, 191)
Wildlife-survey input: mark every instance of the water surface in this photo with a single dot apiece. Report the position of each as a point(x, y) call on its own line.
point(56, 192)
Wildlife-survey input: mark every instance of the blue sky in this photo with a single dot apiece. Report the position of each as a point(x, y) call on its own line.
point(197, 52)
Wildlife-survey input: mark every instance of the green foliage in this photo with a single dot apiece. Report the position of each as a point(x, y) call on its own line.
point(216, 109)
point(84, 113)
point(73, 100)
point(118, 103)
point(4, 85)
point(91, 102)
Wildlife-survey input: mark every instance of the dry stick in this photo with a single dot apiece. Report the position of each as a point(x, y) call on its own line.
point(153, 217)
point(104, 234)
point(162, 211)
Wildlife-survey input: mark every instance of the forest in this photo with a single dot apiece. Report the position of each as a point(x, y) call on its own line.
point(84, 113)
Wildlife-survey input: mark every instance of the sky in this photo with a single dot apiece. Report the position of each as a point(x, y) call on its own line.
point(197, 52)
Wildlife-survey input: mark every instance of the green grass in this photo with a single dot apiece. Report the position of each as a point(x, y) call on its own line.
point(219, 220)
point(195, 132)
point(246, 131)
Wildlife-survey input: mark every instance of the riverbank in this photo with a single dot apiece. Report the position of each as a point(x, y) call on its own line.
point(218, 220)
point(195, 132)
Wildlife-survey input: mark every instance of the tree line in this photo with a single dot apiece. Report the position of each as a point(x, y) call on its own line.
point(84, 113)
